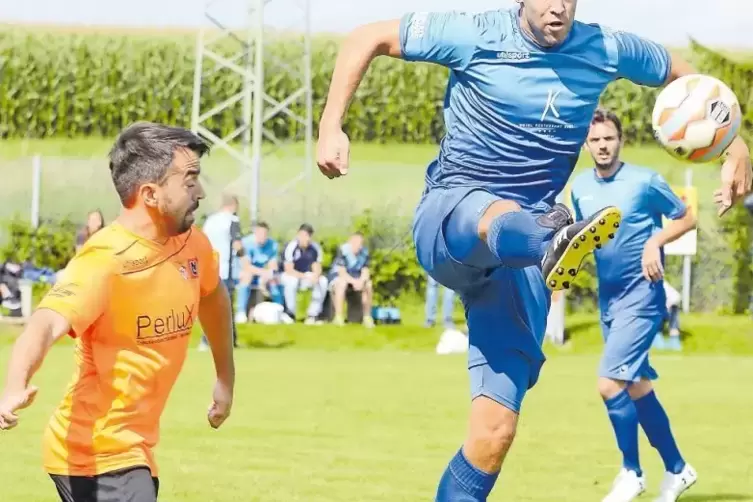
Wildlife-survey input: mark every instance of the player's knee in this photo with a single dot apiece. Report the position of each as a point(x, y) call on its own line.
point(492, 431)
point(609, 388)
point(496, 209)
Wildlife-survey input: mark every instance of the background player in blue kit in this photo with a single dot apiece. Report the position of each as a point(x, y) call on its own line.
point(258, 269)
point(632, 302)
point(524, 83)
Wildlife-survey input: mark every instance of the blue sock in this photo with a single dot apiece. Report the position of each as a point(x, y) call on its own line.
point(624, 418)
point(518, 240)
point(243, 293)
point(275, 293)
point(655, 423)
point(462, 482)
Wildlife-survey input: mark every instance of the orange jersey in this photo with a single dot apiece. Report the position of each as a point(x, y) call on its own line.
point(132, 304)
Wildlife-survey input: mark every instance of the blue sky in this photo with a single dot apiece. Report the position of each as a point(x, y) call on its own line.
point(719, 23)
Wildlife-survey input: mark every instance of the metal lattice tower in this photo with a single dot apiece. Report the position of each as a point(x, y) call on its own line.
point(233, 43)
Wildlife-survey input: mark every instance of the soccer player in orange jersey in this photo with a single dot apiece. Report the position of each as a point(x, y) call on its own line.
point(130, 297)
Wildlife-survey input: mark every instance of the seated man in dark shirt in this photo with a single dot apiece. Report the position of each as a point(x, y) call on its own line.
point(302, 262)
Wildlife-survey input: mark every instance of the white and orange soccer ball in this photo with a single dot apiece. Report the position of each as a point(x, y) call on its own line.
point(696, 117)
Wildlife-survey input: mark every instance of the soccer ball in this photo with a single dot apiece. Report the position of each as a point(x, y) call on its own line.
point(696, 117)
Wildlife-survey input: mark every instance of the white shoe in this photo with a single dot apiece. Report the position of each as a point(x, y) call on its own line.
point(241, 318)
point(626, 487)
point(675, 485)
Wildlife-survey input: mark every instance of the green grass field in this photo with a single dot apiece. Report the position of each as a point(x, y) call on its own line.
point(331, 426)
point(386, 178)
point(327, 414)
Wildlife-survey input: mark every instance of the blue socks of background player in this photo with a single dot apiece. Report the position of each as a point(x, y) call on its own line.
point(655, 424)
point(242, 295)
point(518, 240)
point(462, 482)
point(624, 417)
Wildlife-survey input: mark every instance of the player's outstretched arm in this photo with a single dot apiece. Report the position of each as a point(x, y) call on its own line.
point(444, 38)
point(356, 53)
point(45, 327)
point(215, 315)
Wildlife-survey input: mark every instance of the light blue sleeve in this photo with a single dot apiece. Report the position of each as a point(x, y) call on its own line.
point(275, 248)
point(641, 61)
point(663, 200)
point(574, 201)
point(445, 38)
point(248, 243)
point(576, 207)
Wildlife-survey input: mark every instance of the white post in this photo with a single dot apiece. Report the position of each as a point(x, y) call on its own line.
point(257, 25)
point(36, 187)
point(687, 259)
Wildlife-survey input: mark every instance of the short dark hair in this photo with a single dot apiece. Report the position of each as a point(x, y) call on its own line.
point(262, 224)
point(306, 228)
point(144, 151)
point(601, 116)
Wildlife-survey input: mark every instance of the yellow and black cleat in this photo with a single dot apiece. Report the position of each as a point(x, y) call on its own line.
point(573, 243)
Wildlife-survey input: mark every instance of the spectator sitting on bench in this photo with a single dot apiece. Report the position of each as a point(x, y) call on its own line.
point(350, 273)
point(258, 266)
point(302, 261)
point(10, 293)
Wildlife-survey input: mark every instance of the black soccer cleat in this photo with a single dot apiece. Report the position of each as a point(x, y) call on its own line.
point(563, 258)
point(557, 217)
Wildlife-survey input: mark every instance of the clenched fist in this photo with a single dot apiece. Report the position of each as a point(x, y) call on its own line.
point(333, 152)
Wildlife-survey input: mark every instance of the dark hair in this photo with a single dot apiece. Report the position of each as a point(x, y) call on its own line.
point(262, 224)
point(306, 228)
point(601, 116)
point(143, 152)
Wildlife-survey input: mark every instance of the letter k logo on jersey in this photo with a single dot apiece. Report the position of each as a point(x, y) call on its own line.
point(550, 104)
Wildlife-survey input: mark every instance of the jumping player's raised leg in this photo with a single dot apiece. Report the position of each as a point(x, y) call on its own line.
point(476, 244)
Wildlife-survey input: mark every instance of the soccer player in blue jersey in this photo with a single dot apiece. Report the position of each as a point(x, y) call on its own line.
point(524, 83)
point(632, 302)
point(258, 269)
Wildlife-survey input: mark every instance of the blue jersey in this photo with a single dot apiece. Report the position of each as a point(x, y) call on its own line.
point(517, 114)
point(643, 197)
point(354, 263)
point(259, 254)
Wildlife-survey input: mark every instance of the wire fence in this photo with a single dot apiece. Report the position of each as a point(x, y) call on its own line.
point(70, 187)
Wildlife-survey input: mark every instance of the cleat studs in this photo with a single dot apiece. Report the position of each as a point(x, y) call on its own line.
point(602, 221)
point(576, 245)
point(611, 236)
point(560, 270)
point(598, 246)
point(616, 224)
point(552, 283)
point(592, 230)
point(597, 238)
point(583, 238)
point(565, 285)
point(572, 272)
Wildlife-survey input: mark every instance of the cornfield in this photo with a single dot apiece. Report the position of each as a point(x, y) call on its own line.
point(71, 85)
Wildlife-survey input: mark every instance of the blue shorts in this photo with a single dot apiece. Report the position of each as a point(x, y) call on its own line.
point(627, 340)
point(506, 308)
